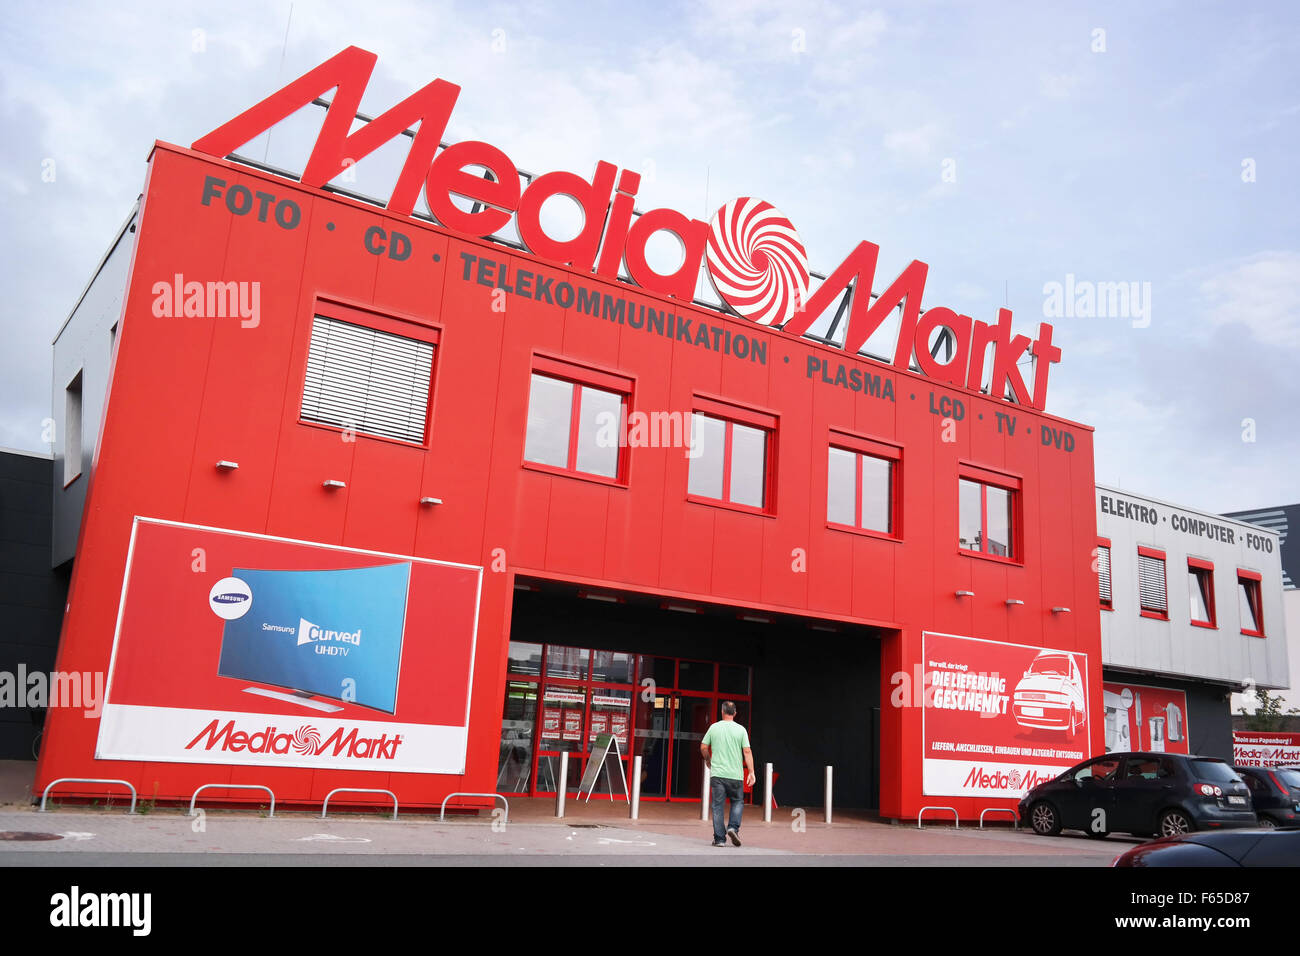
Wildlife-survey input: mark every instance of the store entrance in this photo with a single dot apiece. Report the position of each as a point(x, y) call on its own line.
point(560, 699)
point(653, 673)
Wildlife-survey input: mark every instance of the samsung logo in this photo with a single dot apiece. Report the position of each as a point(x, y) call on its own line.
point(230, 598)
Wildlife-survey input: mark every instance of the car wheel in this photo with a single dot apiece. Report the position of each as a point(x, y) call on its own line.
point(1044, 819)
point(1174, 822)
point(1267, 823)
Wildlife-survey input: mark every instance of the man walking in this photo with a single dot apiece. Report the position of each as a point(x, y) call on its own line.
point(725, 742)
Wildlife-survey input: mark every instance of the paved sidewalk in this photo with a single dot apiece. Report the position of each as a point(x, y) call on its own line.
point(599, 828)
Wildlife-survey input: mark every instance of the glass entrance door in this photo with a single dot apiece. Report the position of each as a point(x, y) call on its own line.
point(691, 718)
point(653, 736)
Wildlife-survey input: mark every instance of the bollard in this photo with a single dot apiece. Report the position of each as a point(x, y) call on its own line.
point(829, 788)
point(767, 793)
point(706, 798)
point(636, 787)
point(562, 785)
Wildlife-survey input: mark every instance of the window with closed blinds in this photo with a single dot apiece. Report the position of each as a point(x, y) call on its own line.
point(374, 382)
point(1151, 584)
point(1103, 574)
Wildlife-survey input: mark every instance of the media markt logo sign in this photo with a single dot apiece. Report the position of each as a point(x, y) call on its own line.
point(751, 252)
point(1015, 781)
point(306, 740)
point(327, 642)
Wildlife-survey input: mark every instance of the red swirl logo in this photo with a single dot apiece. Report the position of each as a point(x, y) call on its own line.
point(756, 261)
point(306, 740)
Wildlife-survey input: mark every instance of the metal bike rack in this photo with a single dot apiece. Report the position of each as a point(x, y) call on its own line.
point(442, 811)
point(326, 805)
point(955, 818)
point(232, 786)
point(1015, 817)
point(86, 780)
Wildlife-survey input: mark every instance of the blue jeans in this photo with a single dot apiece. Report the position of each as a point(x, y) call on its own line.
point(722, 791)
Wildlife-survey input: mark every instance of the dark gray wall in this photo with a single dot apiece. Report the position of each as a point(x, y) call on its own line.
point(816, 695)
point(32, 596)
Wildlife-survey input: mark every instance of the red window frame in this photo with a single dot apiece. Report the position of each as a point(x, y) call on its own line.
point(581, 377)
point(1106, 605)
point(391, 323)
point(861, 447)
point(1010, 483)
point(731, 415)
point(1144, 611)
point(1254, 584)
point(1198, 566)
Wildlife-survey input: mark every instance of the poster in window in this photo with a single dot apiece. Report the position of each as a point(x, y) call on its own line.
point(551, 723)
point(573, 725)
point(618, 727)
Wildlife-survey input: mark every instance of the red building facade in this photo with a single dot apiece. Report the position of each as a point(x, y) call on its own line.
point(843, 532)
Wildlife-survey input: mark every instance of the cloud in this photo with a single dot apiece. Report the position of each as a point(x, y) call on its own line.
point(1261, 293)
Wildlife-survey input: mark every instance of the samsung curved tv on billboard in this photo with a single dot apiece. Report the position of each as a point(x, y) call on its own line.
point(237, 648)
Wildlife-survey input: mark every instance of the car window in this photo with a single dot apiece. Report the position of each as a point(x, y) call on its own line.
point(1213, 770)
point(1168, 769)
point(1290, 777)
point(1098, 770)
point(1145, 768)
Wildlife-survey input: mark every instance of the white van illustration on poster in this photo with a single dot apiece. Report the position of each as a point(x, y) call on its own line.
point(1050, 695)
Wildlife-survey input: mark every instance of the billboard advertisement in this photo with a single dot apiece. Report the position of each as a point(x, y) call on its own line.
point(1257, 748)
point(1139, 717)
point(236, 648)
point(1000, 718)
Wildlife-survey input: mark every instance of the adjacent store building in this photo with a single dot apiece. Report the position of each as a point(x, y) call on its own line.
point(387, 499)
point(1191, 612)
point(1281, 520)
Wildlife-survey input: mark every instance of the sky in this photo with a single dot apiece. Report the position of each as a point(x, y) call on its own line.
point(1020, 149)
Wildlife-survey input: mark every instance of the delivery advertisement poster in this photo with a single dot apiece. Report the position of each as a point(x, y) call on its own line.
point(1139, 717)
point(235, 648)
point(1000, 718)
point(1258, 748)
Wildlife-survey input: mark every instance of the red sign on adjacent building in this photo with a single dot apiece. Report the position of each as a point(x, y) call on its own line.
point(1253, 748)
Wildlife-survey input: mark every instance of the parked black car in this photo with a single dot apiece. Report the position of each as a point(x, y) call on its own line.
point(1275, 794)
point(1234, 848)
point(1140, 793)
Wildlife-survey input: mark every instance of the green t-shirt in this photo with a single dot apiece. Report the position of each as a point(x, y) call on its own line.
point(727, 741)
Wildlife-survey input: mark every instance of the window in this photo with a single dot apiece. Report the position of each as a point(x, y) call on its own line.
point(988, 505)
point(576, 419)
point(731, 451)
point(72, 431)
point(862, 484)
point(1200, 586)
point(371, 381)
point(1105, 594)
point(1151, 583)
point(1251, 602)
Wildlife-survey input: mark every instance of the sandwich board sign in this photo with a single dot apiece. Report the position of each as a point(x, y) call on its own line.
point(605, 744)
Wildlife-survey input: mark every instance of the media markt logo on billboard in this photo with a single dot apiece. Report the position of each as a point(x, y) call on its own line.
point(327, 642)
point(306, 740)
point(1015, 781)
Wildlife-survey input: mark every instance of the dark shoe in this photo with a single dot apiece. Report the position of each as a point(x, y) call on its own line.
point(733, 836)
